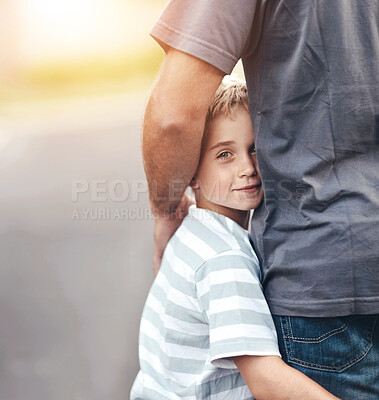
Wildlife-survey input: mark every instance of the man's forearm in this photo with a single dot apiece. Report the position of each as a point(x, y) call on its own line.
point(174, 125)
point(171, 150)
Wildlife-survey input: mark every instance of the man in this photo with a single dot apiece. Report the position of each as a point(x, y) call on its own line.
point(312, 73)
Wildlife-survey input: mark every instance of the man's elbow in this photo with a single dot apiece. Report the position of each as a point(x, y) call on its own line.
point(163, 126)
point(162, 122)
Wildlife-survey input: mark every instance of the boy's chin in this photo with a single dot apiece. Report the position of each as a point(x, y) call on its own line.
point(242, 207)
point(249, 205)
point(246, 208)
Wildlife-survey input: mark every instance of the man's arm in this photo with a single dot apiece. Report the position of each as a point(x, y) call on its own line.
point(270, 378)
point(174, 124)
point(173, 129)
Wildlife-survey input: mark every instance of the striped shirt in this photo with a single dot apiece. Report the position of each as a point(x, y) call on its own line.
point(205, 306)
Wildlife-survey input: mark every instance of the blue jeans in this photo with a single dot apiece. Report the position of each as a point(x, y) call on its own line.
point(340, 353)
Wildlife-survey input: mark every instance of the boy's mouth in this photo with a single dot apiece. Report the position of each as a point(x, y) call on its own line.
point(249, 188)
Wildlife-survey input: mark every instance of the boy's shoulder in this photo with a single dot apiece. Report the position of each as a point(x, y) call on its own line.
point(205, 234)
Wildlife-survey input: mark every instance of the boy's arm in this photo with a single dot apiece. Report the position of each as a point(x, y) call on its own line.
point(270, 378)
point(173, 129)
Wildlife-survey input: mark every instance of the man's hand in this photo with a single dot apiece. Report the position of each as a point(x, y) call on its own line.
point(165, 227)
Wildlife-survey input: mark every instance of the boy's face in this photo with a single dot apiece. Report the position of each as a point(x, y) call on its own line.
point(228, 178)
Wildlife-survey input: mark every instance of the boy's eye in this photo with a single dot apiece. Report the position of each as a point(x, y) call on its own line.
point(252, 149)
point(224, 154)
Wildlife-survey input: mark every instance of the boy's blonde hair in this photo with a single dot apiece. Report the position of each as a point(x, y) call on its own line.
point(231, 94)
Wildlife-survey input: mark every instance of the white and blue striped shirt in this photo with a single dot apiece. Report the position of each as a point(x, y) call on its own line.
point(205, 306)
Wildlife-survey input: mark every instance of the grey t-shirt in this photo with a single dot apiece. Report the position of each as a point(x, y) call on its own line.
point(312, 70)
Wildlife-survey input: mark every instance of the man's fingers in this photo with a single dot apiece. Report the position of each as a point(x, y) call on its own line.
point(159, 246)
point(165, 228)
point(161, 237)
point(156, 262)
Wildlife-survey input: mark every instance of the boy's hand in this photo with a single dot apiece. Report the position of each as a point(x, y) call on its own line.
point(270, 378)
point(165, 227)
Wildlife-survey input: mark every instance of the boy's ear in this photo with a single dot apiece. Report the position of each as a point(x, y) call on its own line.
point(194, 184)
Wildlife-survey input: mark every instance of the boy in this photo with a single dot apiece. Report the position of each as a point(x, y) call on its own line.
point(206, 330)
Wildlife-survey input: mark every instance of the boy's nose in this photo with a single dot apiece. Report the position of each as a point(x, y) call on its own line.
point(248, 166)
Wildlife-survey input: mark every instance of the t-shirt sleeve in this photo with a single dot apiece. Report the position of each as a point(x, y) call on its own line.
point(216, 31)
point(239, 319)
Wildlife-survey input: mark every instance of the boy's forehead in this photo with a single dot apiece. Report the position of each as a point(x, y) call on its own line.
point(221, 125)
point(224, 128)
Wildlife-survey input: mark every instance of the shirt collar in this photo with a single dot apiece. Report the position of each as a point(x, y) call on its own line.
point(233, 227)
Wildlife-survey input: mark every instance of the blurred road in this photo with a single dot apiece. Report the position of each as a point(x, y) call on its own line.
point(75, 249)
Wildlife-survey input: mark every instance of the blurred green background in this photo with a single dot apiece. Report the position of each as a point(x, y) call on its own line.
point(51, 48)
